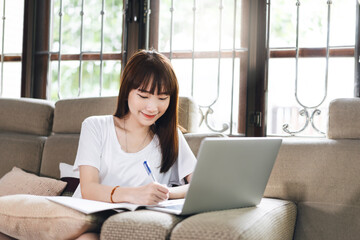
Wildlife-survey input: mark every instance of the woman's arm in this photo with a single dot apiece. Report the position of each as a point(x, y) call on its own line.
point(149, 194)
point(180, 192)
point(90, 186)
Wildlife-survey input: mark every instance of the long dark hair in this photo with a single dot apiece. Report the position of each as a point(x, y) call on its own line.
point(151, 67)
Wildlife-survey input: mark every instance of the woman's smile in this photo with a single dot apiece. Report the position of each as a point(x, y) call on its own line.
point(149, 116)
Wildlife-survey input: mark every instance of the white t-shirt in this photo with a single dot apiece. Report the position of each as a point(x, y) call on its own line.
point(100, 148)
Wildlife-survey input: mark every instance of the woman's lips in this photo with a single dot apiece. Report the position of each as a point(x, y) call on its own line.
point(149, 116)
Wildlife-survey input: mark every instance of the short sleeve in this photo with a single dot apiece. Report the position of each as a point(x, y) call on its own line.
point(186, 159)
point(89, 149)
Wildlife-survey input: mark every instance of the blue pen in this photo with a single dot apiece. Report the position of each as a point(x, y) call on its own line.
point(148, 170)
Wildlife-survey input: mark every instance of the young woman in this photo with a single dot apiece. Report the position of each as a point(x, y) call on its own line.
point(112, 149)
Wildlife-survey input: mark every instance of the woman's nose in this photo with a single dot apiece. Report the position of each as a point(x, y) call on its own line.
point(151, 106)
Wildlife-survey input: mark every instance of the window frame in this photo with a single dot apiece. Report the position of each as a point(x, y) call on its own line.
point(334, 52)
point(36, 52)
point(241, 54)
point(253, 76)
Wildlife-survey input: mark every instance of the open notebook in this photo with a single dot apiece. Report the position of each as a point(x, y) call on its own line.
point(230, 173)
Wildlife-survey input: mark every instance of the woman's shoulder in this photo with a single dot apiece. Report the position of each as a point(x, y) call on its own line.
point(180, 133)
point(97, 121)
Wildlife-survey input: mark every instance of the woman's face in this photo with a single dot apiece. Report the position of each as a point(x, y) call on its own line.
point(147, 108)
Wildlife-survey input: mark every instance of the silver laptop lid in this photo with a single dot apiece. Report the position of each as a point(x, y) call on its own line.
point(230, 173)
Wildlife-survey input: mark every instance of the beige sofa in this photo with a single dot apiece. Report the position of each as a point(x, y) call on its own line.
point(320, 175)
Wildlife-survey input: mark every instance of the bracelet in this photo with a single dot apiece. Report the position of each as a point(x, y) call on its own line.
point(112, 193)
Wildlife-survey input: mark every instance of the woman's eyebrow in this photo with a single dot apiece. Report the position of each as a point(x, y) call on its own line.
point(143, 90)
point(159, 93)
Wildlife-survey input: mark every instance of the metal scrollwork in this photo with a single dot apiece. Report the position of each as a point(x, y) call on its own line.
point(209, 110)
point(315, 112)
point(60, 45)
point(305, 110)
point(205, 119)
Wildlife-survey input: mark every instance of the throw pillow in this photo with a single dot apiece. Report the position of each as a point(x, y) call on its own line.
point(72, 184)
point(35, 217)
point(71, 177)
point(18, 181)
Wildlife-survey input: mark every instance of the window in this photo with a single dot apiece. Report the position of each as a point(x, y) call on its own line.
point(203, 41)
point(11, 34)
point(85, 48)
point(218, 49)
point(283, 108)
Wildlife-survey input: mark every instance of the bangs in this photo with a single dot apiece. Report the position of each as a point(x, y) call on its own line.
point(151, 78)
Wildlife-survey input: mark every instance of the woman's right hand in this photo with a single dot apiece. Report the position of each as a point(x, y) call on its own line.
point(150, 194)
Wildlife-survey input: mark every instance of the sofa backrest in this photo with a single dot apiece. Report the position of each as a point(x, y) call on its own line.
point(69, 114)
point(26, 115)
point(344, 115)
point(24, 126)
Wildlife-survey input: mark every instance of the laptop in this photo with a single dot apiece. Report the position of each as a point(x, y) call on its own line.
point(230, 173)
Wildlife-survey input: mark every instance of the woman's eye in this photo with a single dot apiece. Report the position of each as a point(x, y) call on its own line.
point(163, 98)
point(142, 96)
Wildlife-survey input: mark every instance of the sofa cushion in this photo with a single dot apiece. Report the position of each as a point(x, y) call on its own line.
point(316, 170)
point(189, 114)
point(58, 148)
point(20, 150)
point(141, 224)
point(271, 219)
point(71, 177)
point(19, 182)
point(26, 115)
point(317, 220)
point(344, 118)
point(35, 217)
point(70, 113)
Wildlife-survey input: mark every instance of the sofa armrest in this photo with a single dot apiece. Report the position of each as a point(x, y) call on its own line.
point(194, 139)
point(344, 116)
point(141, 224)
point(189, 114)
point(271, 219)
point(322, 176)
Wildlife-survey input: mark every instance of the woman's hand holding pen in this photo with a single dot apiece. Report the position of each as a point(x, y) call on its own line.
point(150, 194)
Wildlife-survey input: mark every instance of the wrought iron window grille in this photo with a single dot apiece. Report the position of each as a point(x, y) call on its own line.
point(309, 118)
point(102, 14)
point(207, 110)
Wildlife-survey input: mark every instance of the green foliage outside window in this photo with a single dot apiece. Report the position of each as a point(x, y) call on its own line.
point(70, 39)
